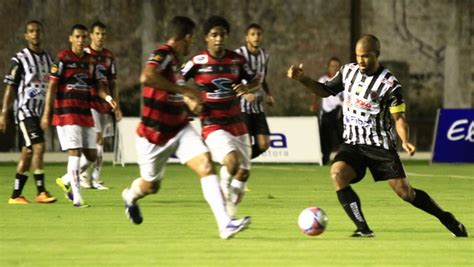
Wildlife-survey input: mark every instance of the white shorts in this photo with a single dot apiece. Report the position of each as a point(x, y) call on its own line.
point(152, 158)
point(103, 123)
point(75, 136)
point(222, 143)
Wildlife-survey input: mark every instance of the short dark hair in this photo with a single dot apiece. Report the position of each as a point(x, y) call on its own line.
point(179, 27)
point(333, 59)
point(33, 22)
point(98, 24)
point(253, 26)
point(79, 27)
point(215, 21)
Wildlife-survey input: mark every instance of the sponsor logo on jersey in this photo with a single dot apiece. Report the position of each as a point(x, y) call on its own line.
point(201, 59)
point(224, 90)
point(206, 69)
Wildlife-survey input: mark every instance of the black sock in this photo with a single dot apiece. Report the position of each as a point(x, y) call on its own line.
point(351, 204)
point(424, 202)
point(256, 151)
point(20, 181)
point(39, 178)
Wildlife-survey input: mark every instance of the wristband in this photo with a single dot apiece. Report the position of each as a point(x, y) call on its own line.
point(108, 99)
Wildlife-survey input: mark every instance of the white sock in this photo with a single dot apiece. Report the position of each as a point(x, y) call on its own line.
point(237, 189)
point(97, 167)
point(134, 193)
point(225, 175)
point(73, 163)
point(212, 194)
point(84, 166)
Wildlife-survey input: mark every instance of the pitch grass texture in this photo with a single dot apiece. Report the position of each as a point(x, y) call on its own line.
point(179, 230)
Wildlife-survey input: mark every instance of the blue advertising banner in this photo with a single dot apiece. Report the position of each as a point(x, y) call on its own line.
point(454, 139)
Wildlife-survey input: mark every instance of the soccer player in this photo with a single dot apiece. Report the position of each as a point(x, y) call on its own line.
point(70, 89)
point(218, 73)
point(330, 112)
point(101, 112)
point(252, 104)
point(26, 83)
point(165, 130)
point(371, 95)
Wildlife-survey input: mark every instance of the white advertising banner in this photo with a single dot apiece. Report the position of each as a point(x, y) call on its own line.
point(292, 140)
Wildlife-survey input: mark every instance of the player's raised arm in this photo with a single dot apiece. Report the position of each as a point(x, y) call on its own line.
point(297, 73)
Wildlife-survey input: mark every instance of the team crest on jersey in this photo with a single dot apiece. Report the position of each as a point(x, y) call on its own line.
point(201, 59)
point(54, 69)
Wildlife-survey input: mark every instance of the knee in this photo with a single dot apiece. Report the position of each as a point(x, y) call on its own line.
point(406, 193)
point(205, 166)
point(232, 162)
point(243, 175)
point(263, 146)
point(150, 187)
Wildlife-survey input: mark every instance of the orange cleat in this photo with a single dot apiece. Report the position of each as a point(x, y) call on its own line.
point(45, 197)
point(18, 200)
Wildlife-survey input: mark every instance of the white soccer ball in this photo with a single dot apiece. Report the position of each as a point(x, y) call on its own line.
point(312, 221)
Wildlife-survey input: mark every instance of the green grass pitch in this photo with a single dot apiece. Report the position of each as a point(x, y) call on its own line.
point(179, 229)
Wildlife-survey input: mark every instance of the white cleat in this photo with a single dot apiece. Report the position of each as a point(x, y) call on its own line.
point(84, 181)
point(99, 186)
point(235, 226)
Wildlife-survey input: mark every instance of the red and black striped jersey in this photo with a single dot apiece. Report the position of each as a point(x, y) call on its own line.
point(76, 77)
point(164, 114)
point(214, 77)
point(105, 62)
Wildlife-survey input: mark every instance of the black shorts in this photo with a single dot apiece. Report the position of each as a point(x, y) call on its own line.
point(30, 132)
point(383, 164)
point(256, 123)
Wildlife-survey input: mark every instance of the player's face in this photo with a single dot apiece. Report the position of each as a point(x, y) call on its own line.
point(254, 37)
point(33, 34)
point(78, 40)
point(98, 37)
point(366, 59)
point(215, 40)
point(333, 67)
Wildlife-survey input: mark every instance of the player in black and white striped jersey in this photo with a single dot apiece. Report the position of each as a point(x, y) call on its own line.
point(252, 105)
point(27, 82)
point(372, 98)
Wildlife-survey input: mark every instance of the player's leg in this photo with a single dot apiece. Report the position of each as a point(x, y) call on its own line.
point(21, 177)
point(37, 163)
point(152, 159)
point(258, 128)
point(348, 168)
point(423, 201)
point(97, 166)
point(23, 165)
point(196, 156)
point(325, 133)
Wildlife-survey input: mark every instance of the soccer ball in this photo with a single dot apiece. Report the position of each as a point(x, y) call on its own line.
point(312, 221)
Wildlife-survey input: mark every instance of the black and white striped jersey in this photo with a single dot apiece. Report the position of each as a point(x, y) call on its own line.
point(258, 64)
point(29, 75)
point(368, 104)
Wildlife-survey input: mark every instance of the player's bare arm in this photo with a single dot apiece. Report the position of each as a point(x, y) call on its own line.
point(269, 97)
point(48, 106)
point(103, 92)
point(150, 77)
point(402, 128)
point(116, 96)
point(249, 88)
point(7, 100)
point(297, 73)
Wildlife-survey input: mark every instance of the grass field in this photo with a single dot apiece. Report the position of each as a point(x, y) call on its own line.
point(179, 230)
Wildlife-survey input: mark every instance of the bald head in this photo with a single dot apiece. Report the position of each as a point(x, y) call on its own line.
point(369, 43)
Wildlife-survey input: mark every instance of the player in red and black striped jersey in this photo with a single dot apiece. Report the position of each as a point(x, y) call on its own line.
point(220, 75)
point(165, 130)
point(371, 95)
point(70, 88)
point(101, 112)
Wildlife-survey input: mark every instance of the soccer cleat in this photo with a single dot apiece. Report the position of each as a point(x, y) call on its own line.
point(363, 233)
point(45, 197)
point(453, 225)
point(84, 182)
point(98, 186)
point(235, 226)
point(19, 200)
point(66, 188)
point(81, 204)
point(132, 211)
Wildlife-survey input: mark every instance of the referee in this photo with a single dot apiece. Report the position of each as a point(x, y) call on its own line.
point(372, 98)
